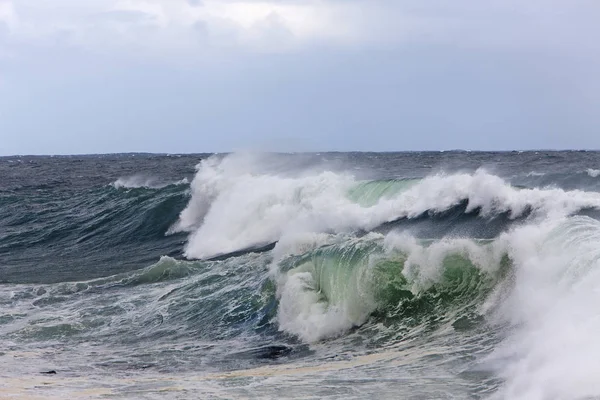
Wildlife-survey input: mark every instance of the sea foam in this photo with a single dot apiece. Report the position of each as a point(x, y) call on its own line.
point(235, 204)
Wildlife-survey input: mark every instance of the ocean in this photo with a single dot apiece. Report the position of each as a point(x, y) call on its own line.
point(433, 275)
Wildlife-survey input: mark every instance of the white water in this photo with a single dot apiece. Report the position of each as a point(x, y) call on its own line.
point(594, 173)
point(236, 203)
point(345, 295)
point(549, 303)
point(314, 304)
point(554, 351)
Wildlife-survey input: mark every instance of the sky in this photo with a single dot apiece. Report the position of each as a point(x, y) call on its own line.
point(189, 76)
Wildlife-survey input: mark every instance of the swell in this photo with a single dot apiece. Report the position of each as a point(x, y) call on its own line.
point(79, 235)
point(587, 179)
point(169, 304)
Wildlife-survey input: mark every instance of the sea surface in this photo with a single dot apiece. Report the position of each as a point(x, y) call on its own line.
point(438, 275)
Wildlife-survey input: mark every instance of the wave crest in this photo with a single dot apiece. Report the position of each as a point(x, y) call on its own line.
point(237, 203)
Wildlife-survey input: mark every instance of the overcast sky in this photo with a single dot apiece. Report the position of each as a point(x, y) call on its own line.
point(97, 76)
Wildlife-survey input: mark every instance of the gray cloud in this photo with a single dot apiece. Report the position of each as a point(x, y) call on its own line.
point(380, 75)
point(122, 16)
point(164, 25)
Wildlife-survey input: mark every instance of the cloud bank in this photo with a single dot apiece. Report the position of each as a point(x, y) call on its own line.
point(292, 25)
point(207, 75)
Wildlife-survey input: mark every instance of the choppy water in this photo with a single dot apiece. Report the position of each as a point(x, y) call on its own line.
point(335, 275)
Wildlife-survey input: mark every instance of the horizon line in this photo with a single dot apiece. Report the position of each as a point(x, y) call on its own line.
point(296, 152)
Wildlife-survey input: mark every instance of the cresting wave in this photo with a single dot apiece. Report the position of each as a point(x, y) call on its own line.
point(330, 278)
point(236, 203)
point(534, 286)
point(331, 289)
point(537, 283)
point(490, 280)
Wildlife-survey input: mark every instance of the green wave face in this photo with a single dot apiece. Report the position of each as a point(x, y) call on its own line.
point(368, 193)
point(430, 283)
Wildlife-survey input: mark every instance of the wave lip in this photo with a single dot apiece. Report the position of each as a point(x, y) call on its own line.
point(235, 205)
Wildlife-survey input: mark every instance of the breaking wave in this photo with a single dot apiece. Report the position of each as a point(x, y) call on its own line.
point(235, 205)
point(276, 260)
point(594, 173)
